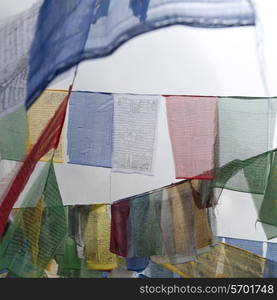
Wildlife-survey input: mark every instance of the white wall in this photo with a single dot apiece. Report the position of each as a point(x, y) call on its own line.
point(175, 60)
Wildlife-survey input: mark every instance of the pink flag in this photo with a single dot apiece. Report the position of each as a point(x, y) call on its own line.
point(192, 122)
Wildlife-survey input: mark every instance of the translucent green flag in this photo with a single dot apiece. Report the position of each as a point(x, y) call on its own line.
point(268, 210)
point(37, 230)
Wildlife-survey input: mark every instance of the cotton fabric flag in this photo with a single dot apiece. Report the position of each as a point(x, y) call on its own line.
point(135, 133)
point(192, 123)
point(89, 131)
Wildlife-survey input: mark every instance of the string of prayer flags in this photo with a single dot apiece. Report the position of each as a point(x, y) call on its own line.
point(135, 133)
point(90, 129)
point(208, 133)
point(48, 140)
point(165, 223)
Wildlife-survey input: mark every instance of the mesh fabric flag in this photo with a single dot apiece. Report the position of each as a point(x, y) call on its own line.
point(71, 266)
point(38, 117)
point(187, 226)
point(119, 227)
point(90, 129)
point(144, 231)
point(258, 172)
point(135, 133)
point(97, 239)
point(37, 231)
point(192, 123)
